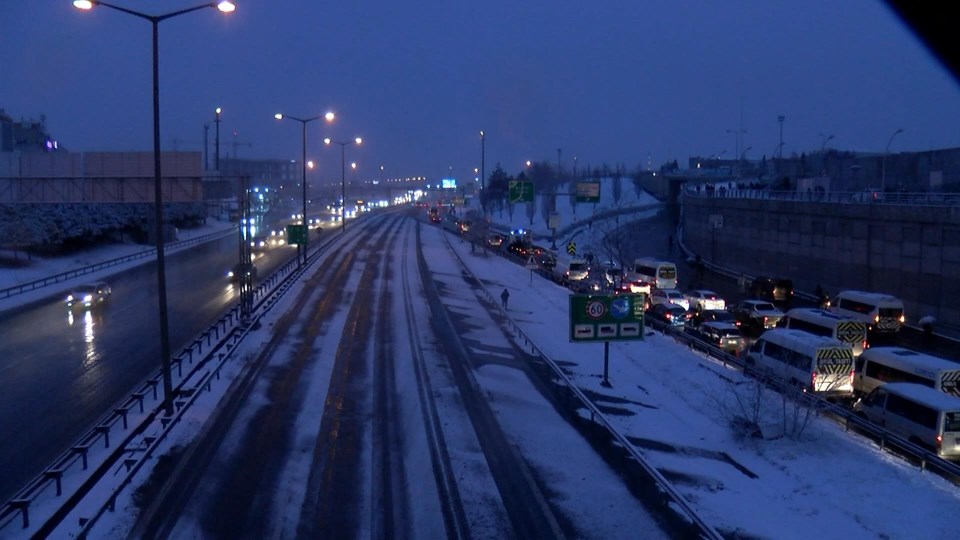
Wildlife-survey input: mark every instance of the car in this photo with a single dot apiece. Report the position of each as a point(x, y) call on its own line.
point(495, 240)
point(546, 259)
point(723, 335)
point(577, 270)
point(239, 269)
point(669, 314)
point(702, 299)
point(88, 295)
point(713, 315)
point(774, 290)
point(520, 249)
point(668, 296)
point(636, 285)
point(612, 273)
point(757, 314)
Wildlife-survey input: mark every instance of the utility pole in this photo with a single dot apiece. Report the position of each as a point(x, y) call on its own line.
point(217, 150)
point(780, 119)
point(206, 147)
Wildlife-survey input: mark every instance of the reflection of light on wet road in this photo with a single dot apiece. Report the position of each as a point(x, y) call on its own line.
point(89, 334)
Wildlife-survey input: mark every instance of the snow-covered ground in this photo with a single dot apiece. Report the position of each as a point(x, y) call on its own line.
point(679, 407)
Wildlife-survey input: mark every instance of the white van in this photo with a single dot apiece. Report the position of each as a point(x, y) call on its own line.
point(821, 322)
point(882, 365)
point(917, 413)
point(882, 312)
point(815, 363)
point(578, 270)
point(660, 274)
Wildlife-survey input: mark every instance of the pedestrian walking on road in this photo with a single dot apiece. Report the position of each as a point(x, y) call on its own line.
point(504, 297)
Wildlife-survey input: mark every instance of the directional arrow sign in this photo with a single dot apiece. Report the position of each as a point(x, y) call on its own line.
point(520, 191)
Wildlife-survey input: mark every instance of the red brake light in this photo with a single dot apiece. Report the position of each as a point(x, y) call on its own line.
point(939, 442)
point(813, 380)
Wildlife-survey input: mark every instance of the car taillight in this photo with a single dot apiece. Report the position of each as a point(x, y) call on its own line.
point(669, 315)
point(851, 377)
point(864, 344)
point(903, 319)
point(939, 442)
point(876, 318)
point(813, 380)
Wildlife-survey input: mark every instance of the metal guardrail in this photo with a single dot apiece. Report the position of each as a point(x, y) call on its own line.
point(94, 462)
point(836, 197)
point(596, 416)
point(70, 274)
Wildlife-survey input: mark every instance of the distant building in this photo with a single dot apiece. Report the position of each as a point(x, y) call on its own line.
point(25, 135)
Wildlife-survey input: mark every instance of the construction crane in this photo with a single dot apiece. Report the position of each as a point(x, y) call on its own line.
point(237, 143)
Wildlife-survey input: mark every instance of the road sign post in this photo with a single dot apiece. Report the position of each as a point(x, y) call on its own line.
point(606, 318)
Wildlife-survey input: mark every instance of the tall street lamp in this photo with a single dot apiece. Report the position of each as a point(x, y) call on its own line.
point(883, 162)
point(216, 153)
point(226, 7)
point(483, 179)
point(343, 183)
point(780, 119)
point(329, 116)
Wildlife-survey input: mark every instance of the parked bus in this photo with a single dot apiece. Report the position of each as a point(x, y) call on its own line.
point(659, 274)
point(824, 323)
point(917, 413)
point(815, 363)
point(881, 365)
point(881, 312)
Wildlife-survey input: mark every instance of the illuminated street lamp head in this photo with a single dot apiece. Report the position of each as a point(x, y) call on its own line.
point(218, 111)
point(327, 141)
point(278, 116)
point(353, 165)
point(83, 4)
point(359, 140)
point(226, 7)
point(329, 116)
point(310, 164)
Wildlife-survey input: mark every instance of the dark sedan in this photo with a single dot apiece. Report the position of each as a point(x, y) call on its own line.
point(669, 314)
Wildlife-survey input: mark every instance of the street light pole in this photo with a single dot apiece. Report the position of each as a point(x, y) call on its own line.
point(780, 119)
point(302, 253)
point(343, 178)
point(217, 150)
point(483, 179)
point(155, 20)
point(883, 161)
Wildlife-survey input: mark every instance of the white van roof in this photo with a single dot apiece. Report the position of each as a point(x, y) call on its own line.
point(924, 395)
point(924, 360)
point(817, 313)
point(868, 297)
point(802, 341)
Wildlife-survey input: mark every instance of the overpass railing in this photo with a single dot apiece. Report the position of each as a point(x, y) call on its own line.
point(835, 197)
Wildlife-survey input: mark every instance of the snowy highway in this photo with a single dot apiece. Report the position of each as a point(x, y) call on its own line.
point(356, 420)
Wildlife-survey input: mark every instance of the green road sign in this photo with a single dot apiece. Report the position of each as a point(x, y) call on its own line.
point(596, 318)
point(296, 234)
point(588, 192)
point(521, 191)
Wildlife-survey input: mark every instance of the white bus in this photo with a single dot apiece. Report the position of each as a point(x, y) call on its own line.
point(917, 413)
point(659, 274)
point(881, 365)
point(881, 312)
point(824, 323)
point(815, 363)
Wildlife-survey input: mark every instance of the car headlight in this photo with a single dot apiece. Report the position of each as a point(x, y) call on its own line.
point(88, 298)
point(230, 273)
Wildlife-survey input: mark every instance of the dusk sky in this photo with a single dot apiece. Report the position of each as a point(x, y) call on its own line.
point(615, 81)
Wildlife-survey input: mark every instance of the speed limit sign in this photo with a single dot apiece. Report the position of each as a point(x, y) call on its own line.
point(596, 309)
